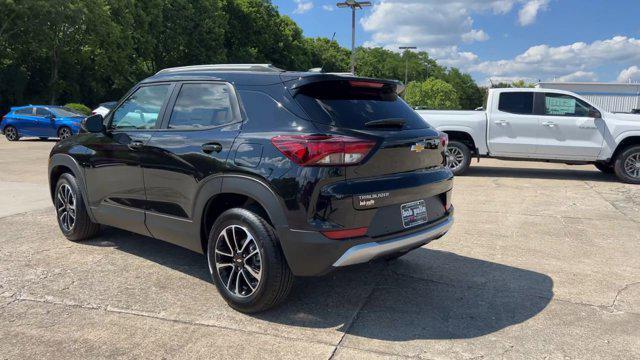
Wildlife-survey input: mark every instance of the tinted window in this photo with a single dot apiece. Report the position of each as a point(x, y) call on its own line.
point(42, 112)
point(516, 102)
point(27, 111)
point(565, 105)
point(141, 109)
point(201, 105)
point(344, 104)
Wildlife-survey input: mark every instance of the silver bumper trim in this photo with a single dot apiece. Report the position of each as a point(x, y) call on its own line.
point(365, 252)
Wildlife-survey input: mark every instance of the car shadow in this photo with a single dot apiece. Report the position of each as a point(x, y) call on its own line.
point(428, 294)
point(553, 174)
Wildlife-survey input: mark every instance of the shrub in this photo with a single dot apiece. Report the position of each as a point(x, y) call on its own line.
point(432, 94)
point(83, 109)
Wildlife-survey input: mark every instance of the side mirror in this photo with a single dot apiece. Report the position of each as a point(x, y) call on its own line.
point(51, 117)
point(94, 124)
point(595, 114)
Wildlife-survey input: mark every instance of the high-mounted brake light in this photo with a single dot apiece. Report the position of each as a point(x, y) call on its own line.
point(323, 150)
point(345, 234)
point(366, 84)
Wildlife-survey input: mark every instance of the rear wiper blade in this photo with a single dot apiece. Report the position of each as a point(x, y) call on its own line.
point(386, 123)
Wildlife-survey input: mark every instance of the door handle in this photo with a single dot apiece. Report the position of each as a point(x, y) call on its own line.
point(136, 145)
point(501, 122)
point(211, 148)
point(549, 124)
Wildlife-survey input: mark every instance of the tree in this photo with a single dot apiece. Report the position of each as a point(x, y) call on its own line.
point(471, 96)
point(432, 94)
point(328, 54)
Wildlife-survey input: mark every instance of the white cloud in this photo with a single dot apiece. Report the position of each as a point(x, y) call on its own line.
point(574, 62)
point(328, 7)
point(302, 6)
point(475, 35)
point(527, 15)
point(578, 76)
point(630, 74)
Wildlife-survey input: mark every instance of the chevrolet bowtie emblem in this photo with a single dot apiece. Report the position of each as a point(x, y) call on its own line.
point(418, 147)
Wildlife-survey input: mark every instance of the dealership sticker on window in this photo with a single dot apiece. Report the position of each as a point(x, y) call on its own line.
point(413, 213)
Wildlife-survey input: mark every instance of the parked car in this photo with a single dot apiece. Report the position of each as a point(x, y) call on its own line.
point(40, 121)
point(271, 174)
point(542, 124)
point(104, 108)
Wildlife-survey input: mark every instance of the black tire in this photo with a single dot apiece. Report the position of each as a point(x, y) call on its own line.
point(64, 133)
point(275, 278)
point(81, 228)
point(458, 157)
point(627, 165)
point(605, 168)
point(11, 133)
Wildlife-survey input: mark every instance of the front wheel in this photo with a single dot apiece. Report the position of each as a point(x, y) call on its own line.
point(458, 157)
point(627, 165)
point(11, 133)
point(246, 263)
point(73, 219)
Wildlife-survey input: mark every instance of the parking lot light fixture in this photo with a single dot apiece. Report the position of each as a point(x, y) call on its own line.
point(406, 62)
point(353, 4)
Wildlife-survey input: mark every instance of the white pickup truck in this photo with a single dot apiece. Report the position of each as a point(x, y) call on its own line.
point(542, 124)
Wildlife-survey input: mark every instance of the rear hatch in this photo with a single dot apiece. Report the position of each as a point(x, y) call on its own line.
point(405, 166)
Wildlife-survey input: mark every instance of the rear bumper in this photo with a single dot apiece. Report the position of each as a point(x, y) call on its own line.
point(366, 252)
point(309, 253)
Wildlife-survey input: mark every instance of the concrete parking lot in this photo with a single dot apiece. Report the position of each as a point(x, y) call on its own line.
point(543, 262)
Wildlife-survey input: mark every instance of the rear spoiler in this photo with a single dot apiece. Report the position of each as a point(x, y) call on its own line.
point(296, 83)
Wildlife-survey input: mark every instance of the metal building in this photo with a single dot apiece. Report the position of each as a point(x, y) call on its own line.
point(614, 97)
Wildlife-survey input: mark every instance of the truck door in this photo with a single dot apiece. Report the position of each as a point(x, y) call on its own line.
point(570, 128)
point(512, 126)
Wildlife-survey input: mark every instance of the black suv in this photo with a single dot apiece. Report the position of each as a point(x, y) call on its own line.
point(271, 174)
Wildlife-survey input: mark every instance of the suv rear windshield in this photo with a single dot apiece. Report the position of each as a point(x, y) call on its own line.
point(351, 104)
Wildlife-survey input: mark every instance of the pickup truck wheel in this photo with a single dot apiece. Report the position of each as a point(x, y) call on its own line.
point(246, 263)
point(605, 168)
point(458, 157)
point(627, 165)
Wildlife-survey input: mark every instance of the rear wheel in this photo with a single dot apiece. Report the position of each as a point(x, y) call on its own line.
point(458, 157)
point(73, 219)
point(605, 168)
point(246, 263)
point(11, 133)
point(64, 133)
point(627, 165)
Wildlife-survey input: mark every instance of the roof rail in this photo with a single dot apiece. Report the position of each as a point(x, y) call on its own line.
point(222, 67)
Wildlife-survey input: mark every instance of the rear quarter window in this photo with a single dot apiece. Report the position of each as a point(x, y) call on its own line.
point(516, 102)
point(340, 104)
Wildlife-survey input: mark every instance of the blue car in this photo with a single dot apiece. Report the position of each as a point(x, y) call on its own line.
point(40, 121)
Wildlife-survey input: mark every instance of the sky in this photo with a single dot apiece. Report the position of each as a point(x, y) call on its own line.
point(494, 40)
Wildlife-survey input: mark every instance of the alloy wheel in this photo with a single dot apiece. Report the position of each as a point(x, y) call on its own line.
point(66, 207)
point(65, 133)
point(238, 261)
point(632, 165)
point(455, 158)
point(11, 133)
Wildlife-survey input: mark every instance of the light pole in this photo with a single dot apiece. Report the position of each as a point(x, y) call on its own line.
point(353, 4)
point(406, 62)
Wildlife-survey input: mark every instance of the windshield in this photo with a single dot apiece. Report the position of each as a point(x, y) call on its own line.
point(353, 104)
point(65, 112)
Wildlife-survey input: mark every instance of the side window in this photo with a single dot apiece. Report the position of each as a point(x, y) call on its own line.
point(26, 111)
point(201, 105)
point(42, 112)
point(565, 105)
point(516, 102)
point(140, 111)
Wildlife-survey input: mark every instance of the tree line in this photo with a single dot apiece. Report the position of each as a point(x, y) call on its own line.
point(90, 51)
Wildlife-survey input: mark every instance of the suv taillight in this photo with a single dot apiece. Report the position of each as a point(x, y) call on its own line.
point(323, 150)
point(444, 140)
